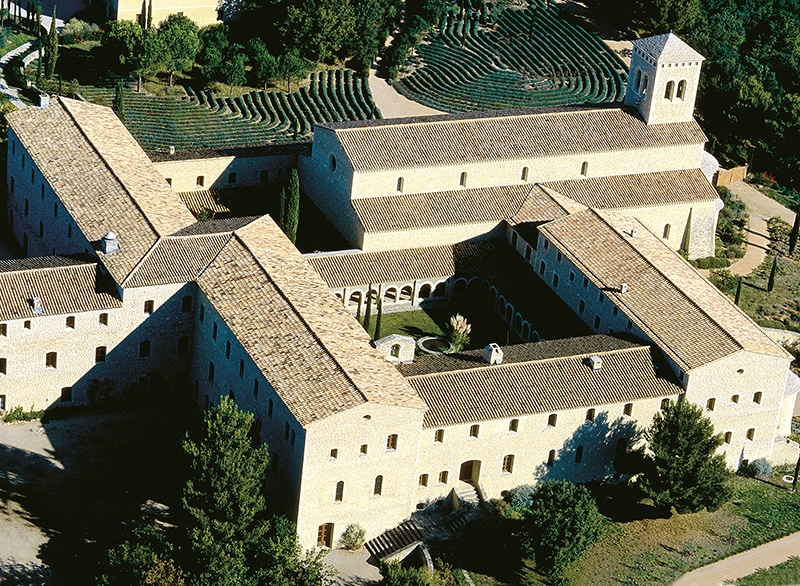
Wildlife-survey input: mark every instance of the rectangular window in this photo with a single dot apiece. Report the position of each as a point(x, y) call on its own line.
point(144, 348)
point(227, 349)
point(149, 306)
point(578, 454)
point(597, 322)
point(241, 368)
point(629, 325)
point(377, 489)
point(585, 282)
point(443, 477)
point(51, 360)
point(710, 404)
point(3, 365)
point(555, 280)
point(601, 297)
point(214, 331)
point(211, 372)
point(186, 304)
point(439, 436)
point(102, 319)
point(581, 306)
point(334, 454)
point(628, 409)
point(751, 433)
point(391, 442)
point(590, 415)
point(735, 399)
point(66, 395)
point(232, 178)
point(202, 312)
point(552, 420)
point(542, 267)
point(757, 398)
point(3, 330)
point(71, 322)
point(559, 257)
point(286, 429)
point(255, 388)
point(363, 449)
point(100, 354)
point(571, 277)
point(200, 182)
point(513, 425)
point(270, 408)
point(2, 402)
point(664, 403)
point(27, 324)
point(508, 464)
point(423, 480)
point(616, 311)
point(474, 430)
point(728, 436)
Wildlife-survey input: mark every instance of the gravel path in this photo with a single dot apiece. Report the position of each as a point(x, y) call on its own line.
point(760, 208)
point(743, 564)
point(392, 104)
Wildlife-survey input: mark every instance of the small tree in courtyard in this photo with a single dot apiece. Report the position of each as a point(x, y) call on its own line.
point(458, 332)
point(681, 468)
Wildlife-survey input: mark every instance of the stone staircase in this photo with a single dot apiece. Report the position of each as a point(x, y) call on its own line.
point(395, 543)
point(467, 493)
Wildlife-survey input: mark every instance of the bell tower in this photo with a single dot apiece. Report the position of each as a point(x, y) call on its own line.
point(663, 79)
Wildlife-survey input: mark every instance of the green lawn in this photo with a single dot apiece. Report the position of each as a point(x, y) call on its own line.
point(638, 546)
point(14, 40)
point(786, 573)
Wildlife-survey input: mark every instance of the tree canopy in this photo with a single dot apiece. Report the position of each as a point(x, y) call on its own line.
point(182, 42)
point(680, 467)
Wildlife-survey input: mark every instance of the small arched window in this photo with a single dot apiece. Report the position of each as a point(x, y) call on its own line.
point(551, 458)
point(639, 79)
point(667, 229)
point(395, 350)
point(400, 183)
point(463, 179)
point(339, 491)
point(585, 168)
point(524, 174)
point(681, 89)
point(378, 488)
point(644, 84)
point(201, 181)
point(578, 454)
point(669, 91)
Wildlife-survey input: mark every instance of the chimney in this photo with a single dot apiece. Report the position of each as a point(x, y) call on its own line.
point(44, 100)
point(595, 362)
point(634, 232)
point(623, 288)
point(109, 243)
point(36, 305)
point(493, 354)
point(171, 150)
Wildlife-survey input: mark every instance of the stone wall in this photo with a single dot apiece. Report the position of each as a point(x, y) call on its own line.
point(226, 171)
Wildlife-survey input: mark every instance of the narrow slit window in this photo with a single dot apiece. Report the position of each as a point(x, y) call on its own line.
point(443, 477)
point(423, 480)
point(513, 425)
point(524, 176)
point(474, 430)
point(400, 184)
point(710, 404)
point(508, 464)
point(728, 436)
point(628, 409)
point(551, 458)
point(70, 322)
point(579, 454)
point(439, 436)
point(590, 413)
point(757, 397)
point(751, 433)
point(462, 181)
point(339, 491)
point(51, 360)
point(552, 419)
point(585, 168)
point(377, 489)
point(391, 442)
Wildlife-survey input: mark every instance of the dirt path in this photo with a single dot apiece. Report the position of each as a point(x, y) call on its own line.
point(392, 104)
point(760, 208)
point(743, 564)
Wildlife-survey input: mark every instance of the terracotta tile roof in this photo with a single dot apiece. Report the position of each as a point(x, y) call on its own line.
point(102, 177)
point(667, 48)
point(348, 269)
point(533, 351)
point(447, 140)
point(204, 227)
point(177, 259)
point(445, 208)
point(64, 285)
point(685, 315)
point(630, 191)
point(542, 386)
point(314, 353)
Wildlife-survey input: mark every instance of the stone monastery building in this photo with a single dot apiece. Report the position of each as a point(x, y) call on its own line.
point(123, 290)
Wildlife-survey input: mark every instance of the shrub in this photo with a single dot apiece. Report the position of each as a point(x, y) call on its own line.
point(19, 414)
point(77, 31)
point(763, 178)
point(723, 279)
point(353, 537)
point(760, 467)
point(779, 230)
point(711, 262)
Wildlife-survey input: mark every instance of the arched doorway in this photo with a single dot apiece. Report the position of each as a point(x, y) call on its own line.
point(470, 472)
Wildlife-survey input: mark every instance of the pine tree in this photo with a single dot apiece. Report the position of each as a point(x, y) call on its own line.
point(51, 52)
point(680, 466)
point(772, 272)
point(293, 206)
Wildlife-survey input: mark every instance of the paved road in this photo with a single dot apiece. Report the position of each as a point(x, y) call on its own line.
point(392, 104)
point(761, 208)
point(743, 564)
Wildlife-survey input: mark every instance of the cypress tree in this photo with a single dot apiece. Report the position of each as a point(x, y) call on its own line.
point(738, 291)
point(771, 281)
point(795, 230)
point(368, 311)
point(39, 34)
point(378, 319)
point(293, 206)
point(118, 104)
point(51, 53)
point(282, 210)
point(150, 14)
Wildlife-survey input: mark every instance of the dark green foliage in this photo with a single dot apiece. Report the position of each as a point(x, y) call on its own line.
point(263, 63)
point(368, 310)
point(51, 51)
point(234, 70)
point(292, 65)
point(279, 560)
point(223, 499)
point(118, 105)
point(379, 319)
point(395, 574)
point(738, 291)
point(560, 523)
point(214, 42)
point(318, 28)
point(795, 232)
point(293, 206)
point(681, 468)
point(731, 226)
point(182, 42)
point(711, 262)
point(772, 272)
point(143, 557)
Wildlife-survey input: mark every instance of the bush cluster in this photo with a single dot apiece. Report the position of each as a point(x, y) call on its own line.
point(19, 414)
